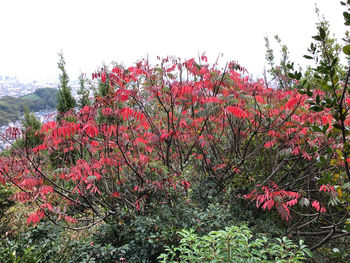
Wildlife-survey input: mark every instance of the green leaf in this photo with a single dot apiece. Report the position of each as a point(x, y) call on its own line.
point(298, 75)
point(346, 15)
point(346, 49)
point(308, 252)
point(313, 47)
point(337, 126)
point(322, 34)
point(317, 129)
point(301, 91)
point(308, 57)
point(329, 150)
point(335, 80)
point(316, 108)
point(336, 116)
point(318, 99)
point(334, 62)
point(309, 93)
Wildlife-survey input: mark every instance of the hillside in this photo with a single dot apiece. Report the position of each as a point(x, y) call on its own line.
point(11, 108)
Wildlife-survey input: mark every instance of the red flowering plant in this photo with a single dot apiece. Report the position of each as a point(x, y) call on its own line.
point(179, 128)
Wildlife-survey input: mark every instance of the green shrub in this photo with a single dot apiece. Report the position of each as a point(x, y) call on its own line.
point(234, 244)
point(143, 237)
point(9, 253)
point(49, 243)
point(5, 203)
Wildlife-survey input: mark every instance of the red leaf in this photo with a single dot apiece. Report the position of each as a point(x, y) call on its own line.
point(186, 184)
point(348, 101)
point(327, 188)
point(269, 144)
point(103, 77)
point(284, 212)
point(268, 204)
point(237, 112)
point(116, 195)
point(316, 204)
point(69, 219)
point(141, 140)
point(35, 217)
point(292, 202)
point(290, 104)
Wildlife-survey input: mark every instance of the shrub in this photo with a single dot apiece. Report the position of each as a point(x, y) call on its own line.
point(49, 243)
point(234, 244)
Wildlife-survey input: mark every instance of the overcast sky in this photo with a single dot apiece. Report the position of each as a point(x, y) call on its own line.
point(32, 32)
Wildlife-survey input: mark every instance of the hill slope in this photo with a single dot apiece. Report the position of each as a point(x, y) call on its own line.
point(11, 108)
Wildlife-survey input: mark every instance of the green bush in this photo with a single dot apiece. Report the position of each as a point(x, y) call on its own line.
point(138, 237)
point(5, 203)
point(234, 244)
point(49, 243)
point(143, 237)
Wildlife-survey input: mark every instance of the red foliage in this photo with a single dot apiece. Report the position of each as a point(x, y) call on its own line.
point(158, 124)
point(272, 196)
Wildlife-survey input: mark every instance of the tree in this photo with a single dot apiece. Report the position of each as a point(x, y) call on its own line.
point(31, 136)
point(32, 126)
point(83, 92)
point(171, 134)
point(327, 86)
point(65, 100)
point(280, 73)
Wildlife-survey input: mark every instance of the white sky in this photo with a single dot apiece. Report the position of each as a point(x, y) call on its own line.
point(93, 32)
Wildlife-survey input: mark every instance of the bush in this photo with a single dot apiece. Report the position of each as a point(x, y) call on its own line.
point(143, 237)
point(49, 243)
point(234, 244)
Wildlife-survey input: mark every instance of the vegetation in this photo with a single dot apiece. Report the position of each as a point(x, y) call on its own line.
point(185, 162)
point(31, 127)
point(234, 244)
point(157, 149)
point(65, 100)
point(84, 92)
point(11, 108)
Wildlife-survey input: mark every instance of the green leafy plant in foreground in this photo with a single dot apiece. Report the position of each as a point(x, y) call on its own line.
point(234, 244)
point(49, 243)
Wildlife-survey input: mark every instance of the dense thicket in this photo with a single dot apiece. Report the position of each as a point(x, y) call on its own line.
point(172, 161)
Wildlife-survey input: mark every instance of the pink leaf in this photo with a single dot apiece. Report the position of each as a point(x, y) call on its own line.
point(268, 204)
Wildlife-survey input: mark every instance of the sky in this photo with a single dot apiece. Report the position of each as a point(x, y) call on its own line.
point(93, 33)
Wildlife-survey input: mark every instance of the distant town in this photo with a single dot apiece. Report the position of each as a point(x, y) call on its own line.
point(12, 86)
